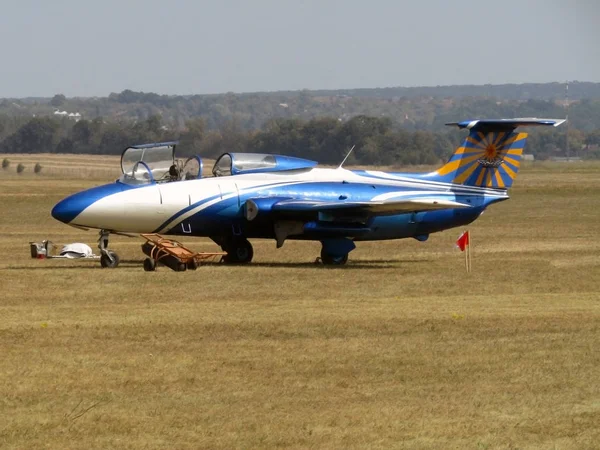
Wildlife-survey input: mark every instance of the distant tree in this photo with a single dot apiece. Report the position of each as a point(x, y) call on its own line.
point(592, 154)
point(319, 138)
point(191, 139)
point(5, 163)
point(386, 149)
point(20, 168)
point(423, 148)
point(116, 138)
point(58, 100)
point(154, 124)
point(37, 168)
point(593, 139)
point(129, 96)
point(362, 127)
point(445, 144)
point(82, 133)
point(39, 135)
point(65, 145)
point(577, 140)
point(233, 138)
point(97, 126)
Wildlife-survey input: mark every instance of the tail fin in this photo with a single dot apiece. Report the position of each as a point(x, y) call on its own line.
point(490, 156)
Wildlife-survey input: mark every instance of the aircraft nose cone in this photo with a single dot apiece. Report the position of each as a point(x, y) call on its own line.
point(66, 210)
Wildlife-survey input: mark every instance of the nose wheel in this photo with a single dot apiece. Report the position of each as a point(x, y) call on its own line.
point(108, 258)
point(239, 251)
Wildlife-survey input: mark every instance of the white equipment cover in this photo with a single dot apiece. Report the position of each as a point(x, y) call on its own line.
point(76, 250)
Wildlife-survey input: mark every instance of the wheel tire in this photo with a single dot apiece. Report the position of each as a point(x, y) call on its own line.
point(108, 263)
point(239, 251)
point(192, 265)
point(149, 265)
point(331, 260)
point(181, 267)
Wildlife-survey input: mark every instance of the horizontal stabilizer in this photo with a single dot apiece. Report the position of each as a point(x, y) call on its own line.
point(373, 208)
point(511, 124)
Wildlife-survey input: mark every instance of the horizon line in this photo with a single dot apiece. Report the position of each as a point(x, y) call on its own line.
point(471, 85)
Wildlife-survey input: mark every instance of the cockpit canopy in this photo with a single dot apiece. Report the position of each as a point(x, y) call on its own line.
point(238, 163)
point(150, 163)
point(156, 163)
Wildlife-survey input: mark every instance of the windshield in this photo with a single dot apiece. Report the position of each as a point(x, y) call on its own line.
point(157, 159)
point(140, 173)
point(252, 161)
point(223, 166)
point(235, 163)
point(192, 169)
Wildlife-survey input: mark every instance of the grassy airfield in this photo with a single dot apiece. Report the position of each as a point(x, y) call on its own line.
point(399, 349)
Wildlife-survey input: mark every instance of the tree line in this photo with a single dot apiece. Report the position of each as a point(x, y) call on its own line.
point(426, 108)
point(378, 140)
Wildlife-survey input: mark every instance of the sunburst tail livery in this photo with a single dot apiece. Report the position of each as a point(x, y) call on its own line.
point(279, 197)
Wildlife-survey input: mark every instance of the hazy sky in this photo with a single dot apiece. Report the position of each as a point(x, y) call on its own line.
point(92, 48)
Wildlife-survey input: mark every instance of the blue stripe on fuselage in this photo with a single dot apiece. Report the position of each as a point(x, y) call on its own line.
point(67, 209)
point(207, 211)
point(213, 218)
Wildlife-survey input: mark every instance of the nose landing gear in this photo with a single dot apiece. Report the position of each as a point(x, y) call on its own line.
point(108, 258)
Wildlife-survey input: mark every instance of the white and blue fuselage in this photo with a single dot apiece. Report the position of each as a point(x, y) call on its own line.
point(213, 206)
point(279, 197)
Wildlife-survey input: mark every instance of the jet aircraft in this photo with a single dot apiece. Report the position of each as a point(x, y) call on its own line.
point(281, 197)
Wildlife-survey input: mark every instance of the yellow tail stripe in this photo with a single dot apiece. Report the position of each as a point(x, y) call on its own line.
point(508, 171)
point(499, 180)
point(479, 181)
point(514, 162)
point(455, 165)
point(515, 151)
point(498, 138)
point(475, 142)
point(512, 140)
point(477, 151)
point(466, 174)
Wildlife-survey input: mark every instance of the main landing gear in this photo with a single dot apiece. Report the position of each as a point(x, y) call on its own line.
point(335, 251)
point(108, 259)
point(333, 260)
point(239, 251)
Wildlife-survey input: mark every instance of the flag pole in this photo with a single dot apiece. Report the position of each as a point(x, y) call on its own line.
point(470, 243)
point(467, 249)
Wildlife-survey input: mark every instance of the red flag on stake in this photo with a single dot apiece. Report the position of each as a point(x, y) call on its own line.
point(464, 243)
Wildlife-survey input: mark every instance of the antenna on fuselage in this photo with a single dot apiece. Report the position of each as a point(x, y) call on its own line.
point(346, 157)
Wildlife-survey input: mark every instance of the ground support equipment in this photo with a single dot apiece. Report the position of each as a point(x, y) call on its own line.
point(173, 254)
point(48, 250)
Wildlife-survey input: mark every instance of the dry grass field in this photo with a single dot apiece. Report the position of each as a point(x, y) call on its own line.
point(399, 349)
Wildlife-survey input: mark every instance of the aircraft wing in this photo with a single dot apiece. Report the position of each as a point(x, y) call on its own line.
point(303, 208)
point(372, 208)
